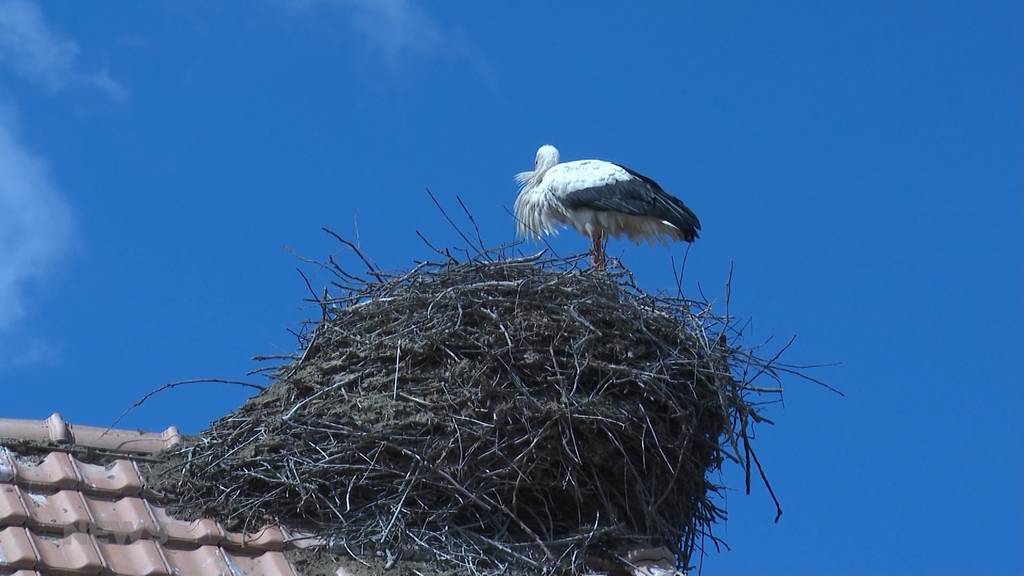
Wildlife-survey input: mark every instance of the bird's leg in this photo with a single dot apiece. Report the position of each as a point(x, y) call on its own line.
point(597, 242)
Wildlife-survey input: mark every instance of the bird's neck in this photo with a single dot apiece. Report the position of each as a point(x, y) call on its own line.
point(538, 175)
point(530, 180)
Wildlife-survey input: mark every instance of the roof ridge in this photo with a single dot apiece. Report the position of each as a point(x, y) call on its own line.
point(55, 429)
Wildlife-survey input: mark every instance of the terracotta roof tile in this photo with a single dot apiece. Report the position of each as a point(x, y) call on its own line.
point(203, 531)
point(76, 553)
point(267, 563)
point(139, 558)
point(201, 560)
point(16, 548)
point(270, 538)
point(56, 511)
point(56, 470)
point(64, 517)
point(12, 507)
point(127, 518)
point(121, 478)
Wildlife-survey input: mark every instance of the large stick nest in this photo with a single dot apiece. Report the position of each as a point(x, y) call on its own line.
point(487, 413)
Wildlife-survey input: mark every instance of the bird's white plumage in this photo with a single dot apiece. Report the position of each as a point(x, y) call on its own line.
point(540, 206)
point(580, 174)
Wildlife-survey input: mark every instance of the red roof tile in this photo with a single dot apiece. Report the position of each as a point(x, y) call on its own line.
point(62, 516)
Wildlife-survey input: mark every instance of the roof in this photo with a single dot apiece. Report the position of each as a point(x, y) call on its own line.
point(63, 516)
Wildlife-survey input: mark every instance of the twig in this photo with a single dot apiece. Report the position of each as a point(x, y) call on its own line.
point(175, 384)
point(450, 221)
point(768, 485)
point(369, 266)
point(479, 238)
point(398, 359)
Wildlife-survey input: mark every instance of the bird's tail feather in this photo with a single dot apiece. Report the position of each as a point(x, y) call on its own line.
point(683, 218)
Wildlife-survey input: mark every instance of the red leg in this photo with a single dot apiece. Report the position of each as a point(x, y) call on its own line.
point(603, 240)
point(597, 243)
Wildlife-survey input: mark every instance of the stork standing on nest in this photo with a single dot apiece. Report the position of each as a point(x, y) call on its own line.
point(599, 199)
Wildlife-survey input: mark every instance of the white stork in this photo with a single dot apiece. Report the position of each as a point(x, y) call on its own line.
point(598, 199)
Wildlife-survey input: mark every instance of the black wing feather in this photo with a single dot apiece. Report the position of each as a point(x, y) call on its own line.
point(639, 196)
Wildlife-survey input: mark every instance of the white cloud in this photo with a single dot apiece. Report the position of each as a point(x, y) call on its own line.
point(104, 83)
point(35, 222)
point(38, 54)
point(398, 31)
point(398, 27)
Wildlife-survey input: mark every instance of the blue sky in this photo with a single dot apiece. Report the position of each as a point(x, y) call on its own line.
point(860, 164)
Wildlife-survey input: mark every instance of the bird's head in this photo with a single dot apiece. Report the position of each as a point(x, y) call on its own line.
point(547, 156)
